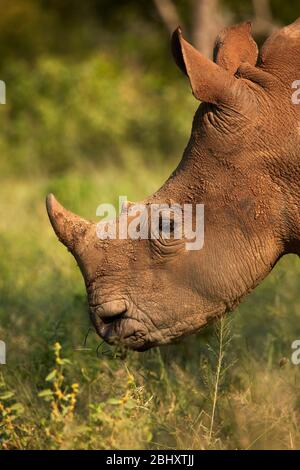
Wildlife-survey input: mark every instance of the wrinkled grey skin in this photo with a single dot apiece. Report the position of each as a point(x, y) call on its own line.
point(242, 162)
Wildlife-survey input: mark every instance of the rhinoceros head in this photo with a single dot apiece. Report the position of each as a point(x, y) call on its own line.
point(241, 163)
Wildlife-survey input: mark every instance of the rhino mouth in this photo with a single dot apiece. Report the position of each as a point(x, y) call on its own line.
point(120, 329)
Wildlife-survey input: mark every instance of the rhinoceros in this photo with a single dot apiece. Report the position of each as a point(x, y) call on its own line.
point(242, 163)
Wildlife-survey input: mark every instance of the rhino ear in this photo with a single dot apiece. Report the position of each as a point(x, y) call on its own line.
point(209, 81)
point(235, 45)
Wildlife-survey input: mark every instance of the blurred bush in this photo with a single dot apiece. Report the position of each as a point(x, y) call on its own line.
point(95, 83)
point(63, 115)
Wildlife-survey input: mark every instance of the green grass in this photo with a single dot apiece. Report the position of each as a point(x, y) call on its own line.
point(198, 394)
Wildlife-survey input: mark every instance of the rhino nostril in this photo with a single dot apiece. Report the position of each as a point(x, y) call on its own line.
point(111, 311)
point(113, 318)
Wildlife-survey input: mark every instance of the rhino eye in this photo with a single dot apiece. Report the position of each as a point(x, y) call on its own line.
point(166, 225)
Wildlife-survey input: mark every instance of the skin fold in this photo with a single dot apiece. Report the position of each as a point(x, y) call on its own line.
point(242, 162)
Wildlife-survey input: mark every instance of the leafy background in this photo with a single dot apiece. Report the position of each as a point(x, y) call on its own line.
point(96, 108)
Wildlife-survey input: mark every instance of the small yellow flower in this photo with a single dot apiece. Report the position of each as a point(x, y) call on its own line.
point(57, 347)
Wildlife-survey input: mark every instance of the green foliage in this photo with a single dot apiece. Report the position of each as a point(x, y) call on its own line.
point(13, 430)
point(68, 116)
point(84, 90)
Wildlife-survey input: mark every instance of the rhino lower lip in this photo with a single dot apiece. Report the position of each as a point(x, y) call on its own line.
point(103, 331)
point(122, 330)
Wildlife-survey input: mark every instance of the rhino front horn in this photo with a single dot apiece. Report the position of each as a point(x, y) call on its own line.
point(69, 227)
